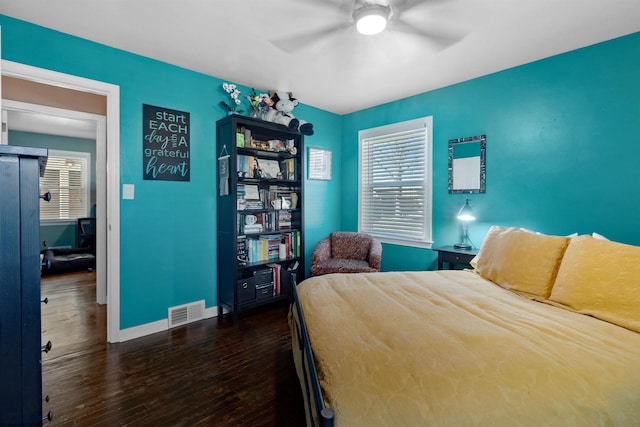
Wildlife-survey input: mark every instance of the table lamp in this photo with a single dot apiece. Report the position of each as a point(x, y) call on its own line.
point(464, 216)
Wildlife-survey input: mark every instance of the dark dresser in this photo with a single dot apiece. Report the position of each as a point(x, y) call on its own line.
point(21, 398)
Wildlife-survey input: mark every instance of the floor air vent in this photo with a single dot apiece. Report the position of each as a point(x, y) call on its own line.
point(182, 314)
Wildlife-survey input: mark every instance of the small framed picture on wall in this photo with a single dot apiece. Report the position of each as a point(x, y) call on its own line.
point(319, 164)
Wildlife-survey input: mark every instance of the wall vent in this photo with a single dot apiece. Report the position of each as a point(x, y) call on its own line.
point(187, 313)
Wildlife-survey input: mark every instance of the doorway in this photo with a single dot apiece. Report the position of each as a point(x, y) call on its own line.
point(107, 166)
point(57, 122)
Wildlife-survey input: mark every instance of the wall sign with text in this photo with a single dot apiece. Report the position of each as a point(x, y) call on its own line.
point(165, 143)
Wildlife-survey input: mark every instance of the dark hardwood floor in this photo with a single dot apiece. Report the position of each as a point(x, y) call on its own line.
point(207, 373)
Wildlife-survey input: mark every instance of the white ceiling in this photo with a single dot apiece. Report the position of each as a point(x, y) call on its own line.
point(236, 40)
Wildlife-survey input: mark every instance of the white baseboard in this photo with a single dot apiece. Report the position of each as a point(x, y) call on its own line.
point(157, 326)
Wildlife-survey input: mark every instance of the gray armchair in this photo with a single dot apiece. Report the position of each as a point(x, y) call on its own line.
point(346, 252)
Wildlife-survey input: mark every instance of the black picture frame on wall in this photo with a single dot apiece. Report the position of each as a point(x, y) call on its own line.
point(166, 144)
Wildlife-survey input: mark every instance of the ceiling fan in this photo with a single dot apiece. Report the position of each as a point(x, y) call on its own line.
point(371, 17)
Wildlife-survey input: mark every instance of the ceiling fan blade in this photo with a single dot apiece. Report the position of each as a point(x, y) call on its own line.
point(343, 6)
point(441, 38)
point(296, 42)
point(400, 6)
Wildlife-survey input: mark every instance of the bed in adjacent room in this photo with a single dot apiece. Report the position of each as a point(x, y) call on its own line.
point(544, 332)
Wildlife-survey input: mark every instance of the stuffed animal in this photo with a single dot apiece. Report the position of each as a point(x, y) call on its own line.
point(283, 105)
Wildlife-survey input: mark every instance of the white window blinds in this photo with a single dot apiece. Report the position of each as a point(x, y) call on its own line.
point(395, 182)
point(66, 177)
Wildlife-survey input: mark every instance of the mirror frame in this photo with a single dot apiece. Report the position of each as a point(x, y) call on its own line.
point(483, 167)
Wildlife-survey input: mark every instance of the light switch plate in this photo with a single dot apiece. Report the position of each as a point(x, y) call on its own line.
point(128, 191)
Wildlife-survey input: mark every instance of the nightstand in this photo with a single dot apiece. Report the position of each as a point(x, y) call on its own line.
point(454, 256)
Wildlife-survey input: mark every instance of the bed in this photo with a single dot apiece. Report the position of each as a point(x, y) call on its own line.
point(544, 331)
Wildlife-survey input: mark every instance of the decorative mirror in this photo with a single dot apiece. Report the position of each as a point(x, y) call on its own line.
point(467, 168)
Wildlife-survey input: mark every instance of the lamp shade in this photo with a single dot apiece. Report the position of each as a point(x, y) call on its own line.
point(466, 212)
point(371, 19)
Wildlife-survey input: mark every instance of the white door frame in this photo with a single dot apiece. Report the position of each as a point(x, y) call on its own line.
point(112, 228)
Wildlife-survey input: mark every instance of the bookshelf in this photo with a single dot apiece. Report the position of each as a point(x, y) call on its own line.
point(260, 213)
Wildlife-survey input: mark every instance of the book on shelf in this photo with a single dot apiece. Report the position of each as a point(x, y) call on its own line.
point(253, 204)
point(245, 165)
point(248, 197)
point(241, 252)
point(251, 192)
point(240, 196)
point(292, 243)
point(273, 243)
point(288, 169)
point(266, 248)
point(277, 270)
point(284, 219)
point(281, 197)
point(252, 229)
point(239, 139)
point(265, 221)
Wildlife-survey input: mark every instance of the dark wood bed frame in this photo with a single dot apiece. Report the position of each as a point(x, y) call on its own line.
point(309, 381)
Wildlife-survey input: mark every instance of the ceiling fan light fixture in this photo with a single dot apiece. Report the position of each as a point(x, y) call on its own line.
point(371, 19)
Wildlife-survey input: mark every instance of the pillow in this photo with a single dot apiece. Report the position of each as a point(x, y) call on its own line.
point(601, 278)
point(537, 232)
point(519, 260)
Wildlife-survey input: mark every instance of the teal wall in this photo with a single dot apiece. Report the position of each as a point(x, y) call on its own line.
point(323, 208)
point(168, 233)
point(59, 234)
point(562, 148)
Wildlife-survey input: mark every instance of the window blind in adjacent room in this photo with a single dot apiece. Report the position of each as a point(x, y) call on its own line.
point(66, 177)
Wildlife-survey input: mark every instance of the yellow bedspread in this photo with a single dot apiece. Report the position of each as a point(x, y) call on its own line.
point(450, 348)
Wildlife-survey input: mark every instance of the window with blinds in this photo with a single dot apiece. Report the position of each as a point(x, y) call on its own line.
point(395, 182)
point(66, 177)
